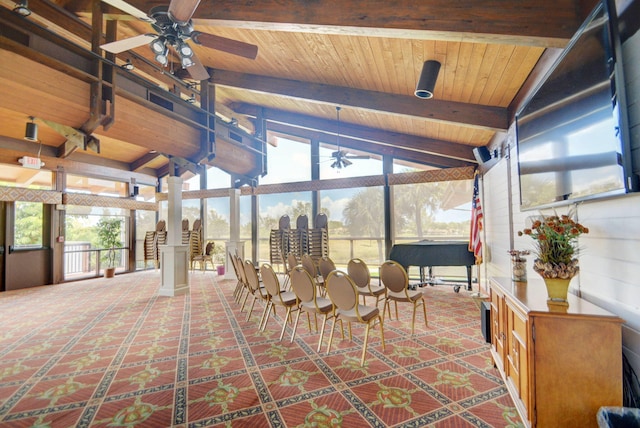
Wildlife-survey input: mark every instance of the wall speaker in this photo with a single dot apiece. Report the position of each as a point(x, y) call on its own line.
point(482, 154)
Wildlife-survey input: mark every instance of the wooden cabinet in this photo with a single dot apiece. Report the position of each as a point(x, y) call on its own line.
point(559, 364)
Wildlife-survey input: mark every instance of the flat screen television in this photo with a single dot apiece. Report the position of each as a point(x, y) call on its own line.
point(572, 132)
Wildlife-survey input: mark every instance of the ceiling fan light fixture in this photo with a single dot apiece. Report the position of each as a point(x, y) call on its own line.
point(158, 46)
point(427, 81)
point(128, 65)
point(162, 59)
point(186, 61)
point(184, 50)
point(22, 8)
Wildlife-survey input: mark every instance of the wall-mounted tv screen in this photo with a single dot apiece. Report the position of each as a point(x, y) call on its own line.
point(572, 143)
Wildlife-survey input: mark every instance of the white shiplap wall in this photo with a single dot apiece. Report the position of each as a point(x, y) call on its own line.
point(610, 253)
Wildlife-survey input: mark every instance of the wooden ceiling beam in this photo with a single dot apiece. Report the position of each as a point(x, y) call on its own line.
point(369, 147)
point(142, 161)
point(426, 145)
point(526, 22)
point(486, 117)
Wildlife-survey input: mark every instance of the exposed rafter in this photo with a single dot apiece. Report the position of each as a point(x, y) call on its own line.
point(487, 117)
point(425, 145)
point(527, 22)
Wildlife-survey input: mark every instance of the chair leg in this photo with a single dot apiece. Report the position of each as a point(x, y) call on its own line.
point(265, 316)
point(413, 319)
point(244, 301)
point(364, 345)
point(251, 308)
point(324, 323)
point(333, 327)
point(295, 324)
point(382, 332)
point(424, 309)
point(284, 322)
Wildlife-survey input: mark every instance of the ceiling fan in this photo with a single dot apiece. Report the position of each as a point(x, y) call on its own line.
point(341, 157)
point(174, 27)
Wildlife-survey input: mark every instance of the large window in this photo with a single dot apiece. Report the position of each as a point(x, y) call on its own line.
point(96, 186)
point(436, 211)
point(356, 224)
point(28, 229)
point(145, 222)
point(273, 207)
point(287, 162)
point(17, 176)
point(85, 254)
point(368, 165)
point(218, 216)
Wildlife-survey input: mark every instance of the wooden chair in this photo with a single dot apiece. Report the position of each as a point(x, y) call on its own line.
point(309, 301)
point(195, 249)
point(205, 257)
point(394, 277)
point(359, 272)
point(310, 266)
point(277, 296)
point(325, 266)
point(343, 293)
point(239, 289)
point(256, 289)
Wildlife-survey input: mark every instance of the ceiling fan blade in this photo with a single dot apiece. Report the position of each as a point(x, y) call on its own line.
point(223, 44)
point(125, 44)
point(197, 71)
point(131, 10)
point(357, 157)
point(181, 11)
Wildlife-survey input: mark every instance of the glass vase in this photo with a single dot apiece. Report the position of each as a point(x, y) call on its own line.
point(518, 269)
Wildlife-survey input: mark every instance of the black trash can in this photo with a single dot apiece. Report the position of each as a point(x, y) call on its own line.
point(618, 417)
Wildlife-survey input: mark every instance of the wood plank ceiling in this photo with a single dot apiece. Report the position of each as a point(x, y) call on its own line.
point(365, 56)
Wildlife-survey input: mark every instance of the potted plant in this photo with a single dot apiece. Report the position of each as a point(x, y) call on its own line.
point(109, 238)
point(556, 239)
point(219, 258)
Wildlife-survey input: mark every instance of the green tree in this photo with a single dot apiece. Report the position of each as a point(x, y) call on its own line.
point(28, 223)
point(364, 215)
point(416, 204)
point(109, 236)
point(300, 208)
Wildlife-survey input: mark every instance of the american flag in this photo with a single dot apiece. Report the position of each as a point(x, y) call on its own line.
point(475, 243)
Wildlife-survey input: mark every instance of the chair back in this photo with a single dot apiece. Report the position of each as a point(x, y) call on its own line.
point(209, 248)
point(342, 291)
point(302, 284)
point(359, 272)
point(309, 265)
point(292, 261)
point(251, 275)
point(326, 266)
point(234, 263)
point(394, 276)
point(270, 280)
point(240, 269)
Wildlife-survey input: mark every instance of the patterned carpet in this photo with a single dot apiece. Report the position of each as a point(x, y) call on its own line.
point(111, 353)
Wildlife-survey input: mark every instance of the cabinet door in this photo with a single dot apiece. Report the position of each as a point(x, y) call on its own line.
point(517, 363)
point(498, 309)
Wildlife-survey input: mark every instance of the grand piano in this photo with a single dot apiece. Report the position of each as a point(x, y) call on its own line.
point(428, 253)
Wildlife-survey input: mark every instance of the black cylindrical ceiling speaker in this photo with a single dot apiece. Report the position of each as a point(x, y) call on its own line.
point(31, 132)
point(427, 81)
point(482, 154)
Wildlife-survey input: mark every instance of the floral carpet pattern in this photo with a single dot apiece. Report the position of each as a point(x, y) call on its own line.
point(112, 353)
